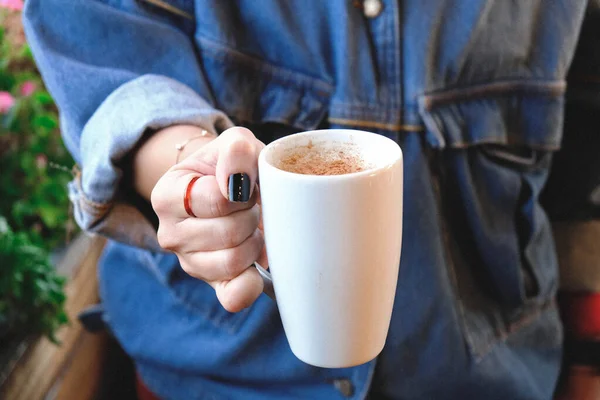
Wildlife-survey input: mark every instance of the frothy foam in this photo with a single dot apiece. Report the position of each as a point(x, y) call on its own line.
point(314, 159)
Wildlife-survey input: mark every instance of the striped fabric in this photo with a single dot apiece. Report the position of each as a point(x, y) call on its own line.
point(580, 380)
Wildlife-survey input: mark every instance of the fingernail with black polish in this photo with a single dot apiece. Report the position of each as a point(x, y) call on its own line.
point(239, 187)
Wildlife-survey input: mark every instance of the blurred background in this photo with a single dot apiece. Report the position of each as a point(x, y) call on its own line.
point(47, 267)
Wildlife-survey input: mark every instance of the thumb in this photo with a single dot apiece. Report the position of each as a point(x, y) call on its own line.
point(241, 291)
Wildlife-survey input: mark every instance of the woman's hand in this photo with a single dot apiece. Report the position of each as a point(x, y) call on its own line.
point(224, 238)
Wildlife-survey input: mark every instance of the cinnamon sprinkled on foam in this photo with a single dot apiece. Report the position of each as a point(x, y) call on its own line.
point(312, 160)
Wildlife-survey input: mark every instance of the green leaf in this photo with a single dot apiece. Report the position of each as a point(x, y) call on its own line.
point(26, 52)
point(49, 216)
point(48, 121)
point(43, 98)
point(7, 81)
point(21, 209)
point(62, 318)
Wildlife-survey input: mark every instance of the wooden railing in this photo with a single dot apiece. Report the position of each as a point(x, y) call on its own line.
point(41, 370)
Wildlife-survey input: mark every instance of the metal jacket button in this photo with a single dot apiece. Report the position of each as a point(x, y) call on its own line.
point(345, 387)
point(372, 8)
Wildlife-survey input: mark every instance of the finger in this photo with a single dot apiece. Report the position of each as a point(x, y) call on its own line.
point(260, 216)
point(257, 191)
point(241, 291)
point(218, 233)
point(226, 264)
point(237, 166)
point(207, 201)
point(262, 259)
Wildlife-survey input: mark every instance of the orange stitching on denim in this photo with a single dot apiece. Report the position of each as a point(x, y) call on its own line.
point(530, 317)
point(379, 125)
point(91, 203)
point(504, 141)
point(552, 88)
point(171, 8)
point(515, 327)
point(223, 52)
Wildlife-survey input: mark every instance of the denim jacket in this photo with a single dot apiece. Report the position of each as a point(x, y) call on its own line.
point(495, 149)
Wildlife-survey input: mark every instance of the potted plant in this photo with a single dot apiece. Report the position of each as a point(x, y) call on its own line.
point(34, 205)
point(32, 293)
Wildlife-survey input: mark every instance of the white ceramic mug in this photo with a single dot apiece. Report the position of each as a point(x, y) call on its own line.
point(333, 244)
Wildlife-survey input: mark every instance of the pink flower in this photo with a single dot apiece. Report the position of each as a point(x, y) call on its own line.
point(41, 161)
point(6, 101)
point(27, 88)
point(16, 5)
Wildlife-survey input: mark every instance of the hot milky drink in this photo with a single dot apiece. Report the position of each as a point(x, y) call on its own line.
point(318, 160)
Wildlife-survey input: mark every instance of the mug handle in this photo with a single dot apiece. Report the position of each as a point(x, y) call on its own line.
point(267, 281)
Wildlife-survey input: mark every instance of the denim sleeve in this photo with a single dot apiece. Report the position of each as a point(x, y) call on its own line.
point(117, 71)
point(572, 194)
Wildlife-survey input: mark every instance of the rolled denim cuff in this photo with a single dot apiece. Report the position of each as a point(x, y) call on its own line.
point(148, 103)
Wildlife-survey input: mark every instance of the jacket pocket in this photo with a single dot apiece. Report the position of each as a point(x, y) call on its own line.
point(492, 147)
point(256, 92)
